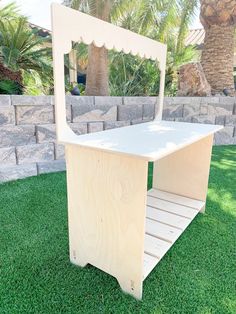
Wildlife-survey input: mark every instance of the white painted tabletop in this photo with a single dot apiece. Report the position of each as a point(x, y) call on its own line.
point(150, 141)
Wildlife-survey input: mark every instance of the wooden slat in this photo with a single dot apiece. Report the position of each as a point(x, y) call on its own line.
point(171, 207)
point(162, 231)
point(155, 246)
point(178, 199)
point(149, 262)
point(168, 215)
point(167, 218)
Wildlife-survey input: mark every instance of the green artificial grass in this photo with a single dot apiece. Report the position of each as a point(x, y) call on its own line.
point(198, 275)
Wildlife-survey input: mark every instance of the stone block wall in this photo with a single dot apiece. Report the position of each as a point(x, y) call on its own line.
point(28, 134)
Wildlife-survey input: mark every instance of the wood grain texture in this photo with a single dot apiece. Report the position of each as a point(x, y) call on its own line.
point(164, 226)
point(106, 207)
point(80, 27)
point(186, 171)
point(177, 199)
point(150, 141)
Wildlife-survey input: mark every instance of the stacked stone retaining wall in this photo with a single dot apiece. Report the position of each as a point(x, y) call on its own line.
point(28, 135)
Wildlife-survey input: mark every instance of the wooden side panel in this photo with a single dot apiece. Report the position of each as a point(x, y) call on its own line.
point(186, 171)
point(106, 206)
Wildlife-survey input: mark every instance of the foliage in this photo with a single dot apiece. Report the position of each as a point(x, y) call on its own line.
point(132, 76)
point(21, 47)
point(35, 85)
point(166, 21)
point(8, 87)
point(22, 51)
point(9, 11)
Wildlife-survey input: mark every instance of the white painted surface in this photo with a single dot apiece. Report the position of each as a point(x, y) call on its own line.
point(150, 141)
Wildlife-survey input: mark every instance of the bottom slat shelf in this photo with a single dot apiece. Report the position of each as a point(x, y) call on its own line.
point(167, 216)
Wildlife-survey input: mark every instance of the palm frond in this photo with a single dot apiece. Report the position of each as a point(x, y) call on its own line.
point(9, 11)
point(187, 12)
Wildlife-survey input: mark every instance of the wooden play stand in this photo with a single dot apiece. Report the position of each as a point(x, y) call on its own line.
point(114, 223)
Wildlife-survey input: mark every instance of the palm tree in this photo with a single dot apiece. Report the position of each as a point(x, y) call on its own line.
point(219, 19)
point(21, 51)
point(97, 78)
point(97, 70)
point(166, 21)
point(9, 11)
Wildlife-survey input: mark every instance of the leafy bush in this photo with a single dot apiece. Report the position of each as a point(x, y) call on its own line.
point(9, 87)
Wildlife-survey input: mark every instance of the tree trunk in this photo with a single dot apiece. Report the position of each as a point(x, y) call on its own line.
point(97, 72)
point(217, 58)
point(8, 74)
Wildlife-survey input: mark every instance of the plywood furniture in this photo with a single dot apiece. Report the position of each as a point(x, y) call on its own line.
point(114, 223)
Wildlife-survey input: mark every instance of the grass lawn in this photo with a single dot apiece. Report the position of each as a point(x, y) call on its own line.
point(198, 275)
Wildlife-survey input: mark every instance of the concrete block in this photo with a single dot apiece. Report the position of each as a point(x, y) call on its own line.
point(34, 114)
point(89, 113)
point(35, 153)
point(68, 107)
point(9, 173)
point(225, 136)
point(59, 151)
point(108, 100)
point(230, 120)
point(46, 133)
point(210, 100)
point(167, 101)
point(220, 120)
point(68, 113)
point(169, 118)
point(79, 100)
point(7, 115)
point(79, 128)
point(95, 127)
point(24, 100)
point(17, 135)
point(130, 112)
point(5, 100)
point(51, 166)
point(138, 121)
point(217, 109)
point(191, 109)
point(221, 109)
point(148, 111)
point(115, 124)
point(227, 100)
point(137, 100)
point(204, 119)
point(173, 111)
point(184, 119)
point(7, 156)
point(203, 109)
point(186, 100)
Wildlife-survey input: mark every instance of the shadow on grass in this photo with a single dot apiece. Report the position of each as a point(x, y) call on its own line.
point(197, 275)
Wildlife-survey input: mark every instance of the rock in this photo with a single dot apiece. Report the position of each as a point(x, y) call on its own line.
point(51, 166)
point(35, 153)
point(192, 81)
point(115, 124)
point(7, 156)
point(89, 113)
point(9, 173)
point(129, 112)
point(36, 114)
point(13, 135)
point(95, 127)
